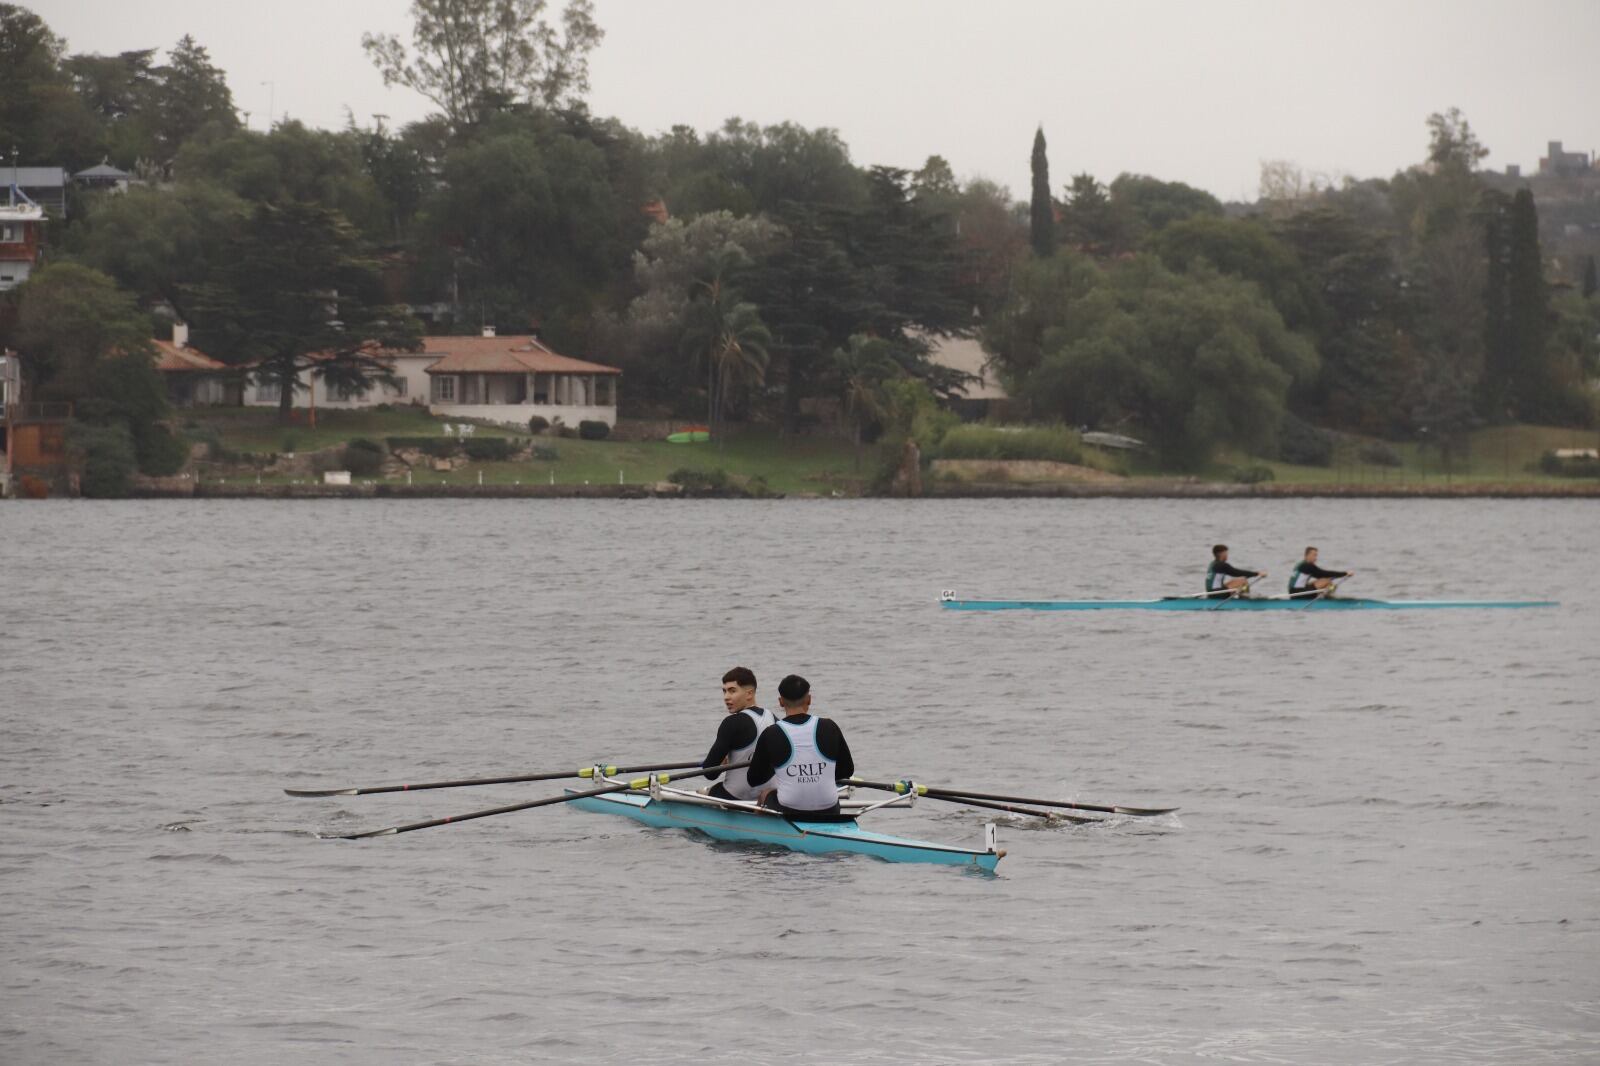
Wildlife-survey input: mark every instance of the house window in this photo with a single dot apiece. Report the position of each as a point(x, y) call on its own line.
point(346, 393)
point(398, 387)
point(10, 233)
point(444, 388)
point(268, 392)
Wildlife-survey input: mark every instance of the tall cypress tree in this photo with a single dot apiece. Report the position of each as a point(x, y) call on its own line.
point(1590, 282)
point(1527, 311)
point(1041, 213)
point(1499, 363)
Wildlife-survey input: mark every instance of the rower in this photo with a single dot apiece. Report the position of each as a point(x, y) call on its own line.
point(1309, 581)
point(799, 760)
point(737, 735)
point(1223, 580)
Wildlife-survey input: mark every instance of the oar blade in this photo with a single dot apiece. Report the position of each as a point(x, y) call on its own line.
point(1144, 812)
point(319, 792)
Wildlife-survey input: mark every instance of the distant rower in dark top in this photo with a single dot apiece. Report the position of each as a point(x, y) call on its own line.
point(1308, 579)
point(800, 760)
point(1223, 580)
point(736, 736)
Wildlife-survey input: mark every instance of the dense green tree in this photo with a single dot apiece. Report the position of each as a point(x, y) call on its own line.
point(295, 295)
point(1150, 205)
point(531, 231)
point(1245, 249)
point(159, 241)
point(1090, 221)
point(191, 93)
point(82, 340)
point(1451, 142)
point(475, 57)
point(41, 118)
point(1042, 208)
point(69, 319)
point(291, 162)
point(1191, 361)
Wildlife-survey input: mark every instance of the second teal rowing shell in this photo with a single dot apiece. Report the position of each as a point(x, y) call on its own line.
point(1239, 604)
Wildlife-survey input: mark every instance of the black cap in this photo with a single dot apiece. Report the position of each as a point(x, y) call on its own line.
point(793, 688)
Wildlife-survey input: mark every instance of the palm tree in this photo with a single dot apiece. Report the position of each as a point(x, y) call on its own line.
point(729, 335)
point(863, 368)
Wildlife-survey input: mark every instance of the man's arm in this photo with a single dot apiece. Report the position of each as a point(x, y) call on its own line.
point(830, 741)
point(1233, 571)
point(1316, 571)
point(736, 731)
point(772, 750)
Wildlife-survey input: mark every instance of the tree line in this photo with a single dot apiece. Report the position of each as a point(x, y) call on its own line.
point(758, 272)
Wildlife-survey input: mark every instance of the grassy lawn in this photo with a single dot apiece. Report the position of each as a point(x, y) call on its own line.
point(803, 464)
point(823, 465)
point(1498, 454)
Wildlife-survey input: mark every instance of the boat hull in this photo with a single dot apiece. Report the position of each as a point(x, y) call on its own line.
point(816, 838)
point(1198, 604)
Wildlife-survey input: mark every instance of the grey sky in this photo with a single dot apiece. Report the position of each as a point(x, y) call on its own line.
point(1186, 91)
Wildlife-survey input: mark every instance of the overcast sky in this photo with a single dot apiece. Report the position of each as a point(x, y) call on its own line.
point(1190, 91)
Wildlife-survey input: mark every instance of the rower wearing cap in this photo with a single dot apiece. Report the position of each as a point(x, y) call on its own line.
point(1224, 580)
point(1308, 580)
point(737, 735)
point(800, 760)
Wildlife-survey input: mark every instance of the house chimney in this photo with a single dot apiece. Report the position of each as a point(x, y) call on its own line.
point(180, 334)
point(488, 331)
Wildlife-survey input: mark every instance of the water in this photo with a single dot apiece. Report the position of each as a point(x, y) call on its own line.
point(1387, 851)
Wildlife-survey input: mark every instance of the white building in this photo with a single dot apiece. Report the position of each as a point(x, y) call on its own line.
point(495, 379)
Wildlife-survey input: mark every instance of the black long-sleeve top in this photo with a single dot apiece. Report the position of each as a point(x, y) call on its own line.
point(1313, 570)
point(738, 730)
point(1221, 567)
point(773, 750)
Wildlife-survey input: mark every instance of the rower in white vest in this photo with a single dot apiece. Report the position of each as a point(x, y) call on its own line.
point(799, 761)
point(737, 735)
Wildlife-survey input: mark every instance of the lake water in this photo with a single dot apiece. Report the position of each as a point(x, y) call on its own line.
point(1388, 849)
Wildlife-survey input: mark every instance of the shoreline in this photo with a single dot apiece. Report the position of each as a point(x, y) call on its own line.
point(1152, 490)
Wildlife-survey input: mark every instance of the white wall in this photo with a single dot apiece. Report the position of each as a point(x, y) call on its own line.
point(409, 368)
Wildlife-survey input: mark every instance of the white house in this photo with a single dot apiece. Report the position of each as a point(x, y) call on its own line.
point(496, 379)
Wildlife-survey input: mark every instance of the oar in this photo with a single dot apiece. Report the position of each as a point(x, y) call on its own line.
point(553, 775)
point(950, 793)
point(1317, 594)
point(636, 783)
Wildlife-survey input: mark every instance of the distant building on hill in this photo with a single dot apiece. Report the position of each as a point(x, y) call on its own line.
point(1566, 191)
point(1558, 163)
point(21, 237)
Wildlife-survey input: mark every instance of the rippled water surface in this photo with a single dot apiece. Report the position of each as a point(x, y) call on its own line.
point(1388, 850)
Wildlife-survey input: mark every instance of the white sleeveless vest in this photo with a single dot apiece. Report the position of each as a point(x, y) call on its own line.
point(806, 782)
point(737, 782)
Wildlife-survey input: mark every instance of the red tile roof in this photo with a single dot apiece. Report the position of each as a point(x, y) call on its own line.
point(504, 355)
point(170, 357)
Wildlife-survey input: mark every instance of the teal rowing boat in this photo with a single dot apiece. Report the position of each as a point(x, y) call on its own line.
point(1237, 603)
point(746, 823)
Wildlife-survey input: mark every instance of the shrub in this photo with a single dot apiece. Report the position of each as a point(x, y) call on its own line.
point(288, 447)
point(1556, 466)
point(538, 424)
point(158, 451)
point(1253, 475)
point(1053, 443)
point(1303, 444)
point(543, 452)
point(565, 431)
point(363, 458)
point(487, 448)
point(1377, 453)
point(107, 455)
point(699, 480)
point(590, 430)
